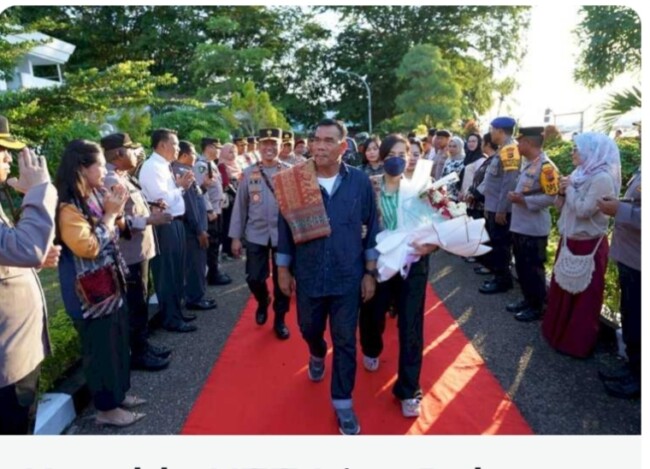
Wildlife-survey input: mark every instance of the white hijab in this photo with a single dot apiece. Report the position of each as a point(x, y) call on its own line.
point(598, 153)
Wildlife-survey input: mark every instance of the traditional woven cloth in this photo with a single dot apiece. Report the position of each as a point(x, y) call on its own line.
point(301, 203)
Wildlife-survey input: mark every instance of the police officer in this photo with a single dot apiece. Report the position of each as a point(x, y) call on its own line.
point(286, 153)
point(196, 234)
point(500, 178)
point(255, 217)
point(536, 191)
point(138, 247)
point(24, 246)
point(626, 252)
point(252, 155)
point(209, 180)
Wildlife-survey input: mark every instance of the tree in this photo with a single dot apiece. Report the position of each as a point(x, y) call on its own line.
point(251, 110)
point(41, 115)
point(373, 41)
point(611, 44)
point(431, 96)
point(619, 103)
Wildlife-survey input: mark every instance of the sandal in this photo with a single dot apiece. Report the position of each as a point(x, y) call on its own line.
point(131, 401)
point(133, 417)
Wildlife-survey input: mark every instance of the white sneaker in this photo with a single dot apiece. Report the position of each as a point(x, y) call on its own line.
point(411, 407)
point(370, 364)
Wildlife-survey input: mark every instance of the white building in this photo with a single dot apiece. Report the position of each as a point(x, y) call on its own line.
point(41, 66)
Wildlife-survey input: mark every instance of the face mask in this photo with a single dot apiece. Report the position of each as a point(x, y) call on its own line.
point(394, 166)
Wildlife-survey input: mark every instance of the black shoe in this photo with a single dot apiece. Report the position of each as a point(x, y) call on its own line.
point(626, 388)
point(495, 287)
point(262, 314)
point(281, 331)
point(517, 306)
point(189, 317)
point(182, 327)
point(158, 350)
point(220, 279)
point(202, 305)
point(615, 374)
point(148, 362)
point(528, 315)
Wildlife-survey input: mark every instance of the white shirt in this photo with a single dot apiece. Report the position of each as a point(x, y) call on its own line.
point(327, 183)
point(158, 182)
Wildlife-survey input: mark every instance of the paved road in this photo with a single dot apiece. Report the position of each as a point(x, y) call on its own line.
point(555, 393)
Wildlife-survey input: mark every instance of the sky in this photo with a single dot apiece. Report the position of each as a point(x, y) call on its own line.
point(546, 75)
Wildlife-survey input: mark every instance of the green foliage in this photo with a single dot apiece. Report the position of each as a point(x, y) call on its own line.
point(136, 123)
point(560, 153)
point(251, 110)
point(86, 97)
point(66, 350)
point(57, 136)
point(192, 124)
point(610, 37)
point(431, 96)
point(374, 39)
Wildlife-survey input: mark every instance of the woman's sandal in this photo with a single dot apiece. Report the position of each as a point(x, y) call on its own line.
point(133, 417)
point(131, 401)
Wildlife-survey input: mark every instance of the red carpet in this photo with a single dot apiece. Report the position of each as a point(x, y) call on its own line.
point(259, 386)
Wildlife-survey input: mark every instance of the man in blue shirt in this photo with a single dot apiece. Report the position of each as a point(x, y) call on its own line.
point(332, 272)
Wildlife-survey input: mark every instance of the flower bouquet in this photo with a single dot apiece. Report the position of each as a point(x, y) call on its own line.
point(425, 215)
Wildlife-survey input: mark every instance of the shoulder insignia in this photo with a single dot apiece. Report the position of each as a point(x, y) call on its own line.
point(202, 168)
point(510, 157)
point(549, 179)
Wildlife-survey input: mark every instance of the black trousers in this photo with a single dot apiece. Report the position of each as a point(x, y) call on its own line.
point(257, 271)
point(18, 405)
point(195, 262)
point(630, 282)
point(214, 230)
point(530, 256)
point(168, 269)
point(408, 295)
point(343, 313)
point(226, 242)
point(137, 296)
point(501, 241)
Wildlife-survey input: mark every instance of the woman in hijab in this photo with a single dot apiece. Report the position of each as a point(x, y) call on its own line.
point(571, 321)
point(474, 158)
point(454, 164)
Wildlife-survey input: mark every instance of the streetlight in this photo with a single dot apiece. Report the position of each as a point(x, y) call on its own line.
point(363, 79)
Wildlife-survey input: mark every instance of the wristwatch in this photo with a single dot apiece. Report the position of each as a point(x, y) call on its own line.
point(374, 273)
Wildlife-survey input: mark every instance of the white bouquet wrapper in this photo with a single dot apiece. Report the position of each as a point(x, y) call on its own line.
point(419, 222)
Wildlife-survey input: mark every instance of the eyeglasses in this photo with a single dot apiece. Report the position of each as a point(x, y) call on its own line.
point(329, 141)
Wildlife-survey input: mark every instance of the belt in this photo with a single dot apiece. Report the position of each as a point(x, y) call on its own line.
point(178, 218)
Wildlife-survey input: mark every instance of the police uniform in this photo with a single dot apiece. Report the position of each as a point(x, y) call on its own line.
point(137, 246)
point(196, 222)
point(255, 218)
point(530, 226)
point(214, 194)
point(292, 159)
point(252, 157)
point(500, 178)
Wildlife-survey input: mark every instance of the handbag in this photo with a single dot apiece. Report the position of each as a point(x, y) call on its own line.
point(572, 272)
point(97, 285)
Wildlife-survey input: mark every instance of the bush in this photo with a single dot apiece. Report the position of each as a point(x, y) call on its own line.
point(66, 350)
point(560, 153)
point(57, 137)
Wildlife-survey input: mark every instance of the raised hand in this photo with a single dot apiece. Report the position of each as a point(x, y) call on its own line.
point(32, 171)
